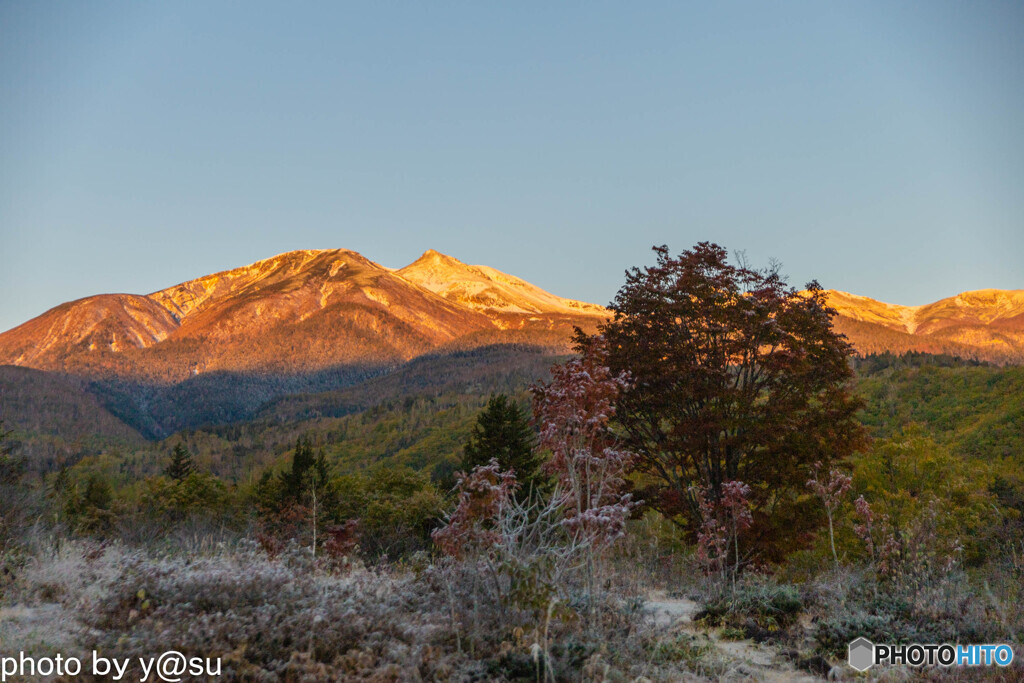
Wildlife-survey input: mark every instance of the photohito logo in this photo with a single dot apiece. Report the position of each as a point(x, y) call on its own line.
point(864, 654)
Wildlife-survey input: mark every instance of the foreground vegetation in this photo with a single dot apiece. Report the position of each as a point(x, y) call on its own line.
point(667, 512)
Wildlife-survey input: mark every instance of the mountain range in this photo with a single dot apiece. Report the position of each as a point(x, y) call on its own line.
point(304, 311)
point(298, 334)
point(986, 324)
point(301, 311)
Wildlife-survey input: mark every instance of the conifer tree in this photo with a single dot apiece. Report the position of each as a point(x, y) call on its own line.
point(181, 464)
point(306, 470)
point(503, 432)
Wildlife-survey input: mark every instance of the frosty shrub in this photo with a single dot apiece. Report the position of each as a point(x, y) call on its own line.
point(830, 489)
point(574, 411)
point(508, 563)
point(275, 619)
point(76, 573)
point(723, 519)
point(756, 603)
point(483, 495)
point(525, 570)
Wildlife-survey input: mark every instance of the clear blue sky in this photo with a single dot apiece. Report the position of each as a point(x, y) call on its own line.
point(875, 146)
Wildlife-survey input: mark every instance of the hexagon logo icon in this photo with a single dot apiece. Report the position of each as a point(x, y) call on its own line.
point(862, 654)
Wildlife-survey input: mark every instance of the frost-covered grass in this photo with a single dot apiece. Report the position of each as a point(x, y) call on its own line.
point(289, 618)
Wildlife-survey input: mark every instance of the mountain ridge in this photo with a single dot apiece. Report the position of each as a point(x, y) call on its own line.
point(989, 305)
point(298, 311)
point(308, 310)
point(984, 324)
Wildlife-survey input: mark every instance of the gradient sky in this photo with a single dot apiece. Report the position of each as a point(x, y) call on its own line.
point(875, 146)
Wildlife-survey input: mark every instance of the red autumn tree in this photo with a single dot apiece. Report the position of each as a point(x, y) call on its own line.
point(483, 492)
point(723, 520)
point(574, 411)
point(735, 376)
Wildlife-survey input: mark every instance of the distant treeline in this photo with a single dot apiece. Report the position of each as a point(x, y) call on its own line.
point(873, 363)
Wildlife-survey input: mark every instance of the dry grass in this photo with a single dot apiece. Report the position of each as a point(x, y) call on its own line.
point(289, 618)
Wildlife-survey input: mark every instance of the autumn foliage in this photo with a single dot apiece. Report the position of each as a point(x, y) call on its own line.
point(723, 519)
point(574, 411)
point(735, 376)
point(482, 493)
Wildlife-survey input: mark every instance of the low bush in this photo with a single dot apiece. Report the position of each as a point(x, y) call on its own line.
point(832, 635)
point(851, 604)
point(771, 606)
point(683, 647)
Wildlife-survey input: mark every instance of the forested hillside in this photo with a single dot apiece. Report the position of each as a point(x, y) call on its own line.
point(57, 419)
point(79, 423)
point(976, 410)
point(419, 414)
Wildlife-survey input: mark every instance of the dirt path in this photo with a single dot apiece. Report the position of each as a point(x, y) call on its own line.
point(742, 659)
